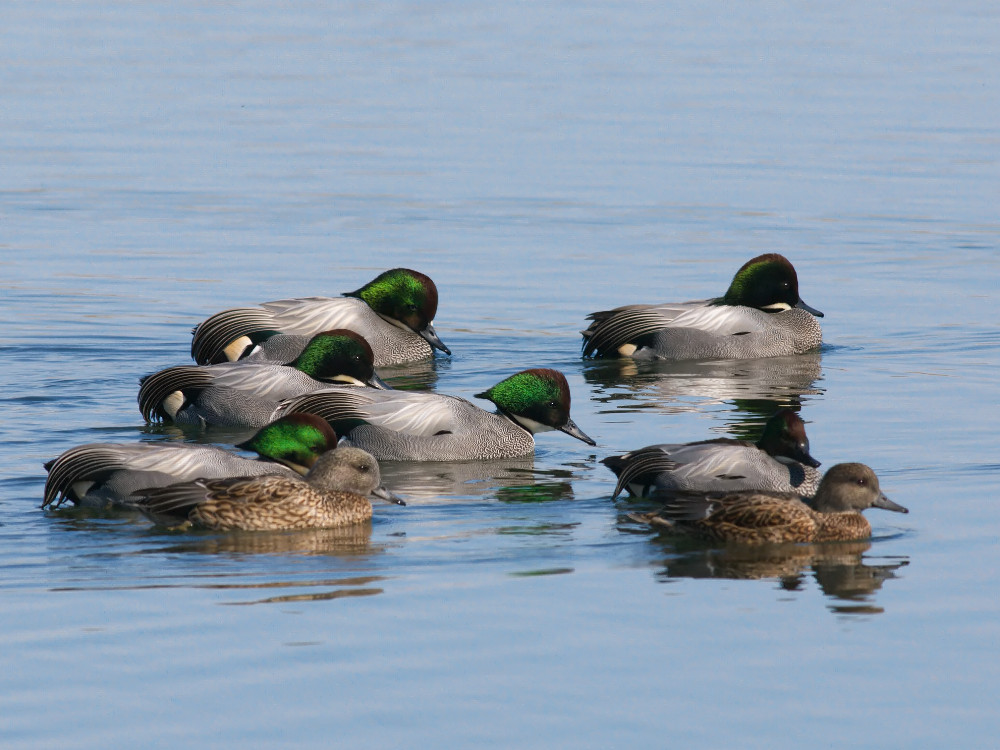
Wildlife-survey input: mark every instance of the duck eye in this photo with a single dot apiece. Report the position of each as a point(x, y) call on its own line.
point(861, 482)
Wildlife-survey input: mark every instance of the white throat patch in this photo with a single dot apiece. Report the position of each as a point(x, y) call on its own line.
point(531, 425)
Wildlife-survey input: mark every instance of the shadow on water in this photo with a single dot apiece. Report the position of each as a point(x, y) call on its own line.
point(839, 568)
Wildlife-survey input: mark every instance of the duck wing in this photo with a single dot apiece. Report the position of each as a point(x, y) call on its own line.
point(708, 466)
point(180, 499)
point(96, 462)
point(266, 382)
point(744, 516)
point(310, 315)
point(417, 414)
point(612, 329)
point(214, 334)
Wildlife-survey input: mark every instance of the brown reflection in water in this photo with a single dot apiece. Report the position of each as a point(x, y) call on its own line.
point(837, 567)
point(348, 541)
point(321, 597)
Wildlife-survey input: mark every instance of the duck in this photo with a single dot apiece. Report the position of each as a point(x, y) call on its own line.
point(760, 315)
point(758, 517)
point(394, 312)
point(106, 474)
point(780, 461)
point(333, 494)
point(248, 394)
point(415, 426)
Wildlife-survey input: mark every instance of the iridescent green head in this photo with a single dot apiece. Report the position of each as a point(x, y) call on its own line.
point(405, 298)
point(785, 437)
point(339, 356)
point(296, 441)
point(767, 282)
point(536, 399)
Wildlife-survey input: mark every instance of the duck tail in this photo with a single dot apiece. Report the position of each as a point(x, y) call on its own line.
point(213, 338)
point(613, 329)
point(341, 409)
point(157, 387)
point(84, 462)
point(639, 468)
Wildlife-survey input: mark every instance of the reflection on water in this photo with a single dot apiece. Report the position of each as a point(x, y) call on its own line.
point(754, 388)
point(511, 479)
point(342, 588)
point(669, 385)
point(349, 541)
point(414, 376)
point(837, 567)
point(323, 596)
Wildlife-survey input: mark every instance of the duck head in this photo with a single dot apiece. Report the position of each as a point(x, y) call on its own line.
point(538, 400)
point(349, 469)
point(339, 356)
point(767, 282)
point(408, 299)
point(852, 486)
point(785, 438)
point(295, 440)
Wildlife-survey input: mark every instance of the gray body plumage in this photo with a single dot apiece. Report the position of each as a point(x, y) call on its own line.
point(700, 330)
point(712, 466)
point(304, 317)
point(413, 426)
point(232, 394)
point(103, 474)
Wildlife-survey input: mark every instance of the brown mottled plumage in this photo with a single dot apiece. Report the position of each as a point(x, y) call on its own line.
point(776, 517)
point(333, 493)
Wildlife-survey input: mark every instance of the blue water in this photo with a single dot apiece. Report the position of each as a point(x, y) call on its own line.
point(539, 162)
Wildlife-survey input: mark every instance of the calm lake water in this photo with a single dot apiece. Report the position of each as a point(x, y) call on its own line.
point(164, 161)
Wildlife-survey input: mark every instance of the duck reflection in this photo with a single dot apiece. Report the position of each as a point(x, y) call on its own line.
point(346, 541)
point(511, 480)
point(421, 375)
point(839, 568)
point(756, 386)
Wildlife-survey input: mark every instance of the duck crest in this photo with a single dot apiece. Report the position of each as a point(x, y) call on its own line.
point(403, 295)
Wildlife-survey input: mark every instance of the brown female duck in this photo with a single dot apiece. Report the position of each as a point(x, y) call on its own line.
point(834, 514)
point(334, 493)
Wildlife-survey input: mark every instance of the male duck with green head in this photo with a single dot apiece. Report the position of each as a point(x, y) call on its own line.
point(250, 394)
point(103, 474)
point(760, 315)
point(394, 312)
point(414, 426)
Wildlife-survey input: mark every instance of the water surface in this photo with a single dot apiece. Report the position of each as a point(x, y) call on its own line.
point(539, 163)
